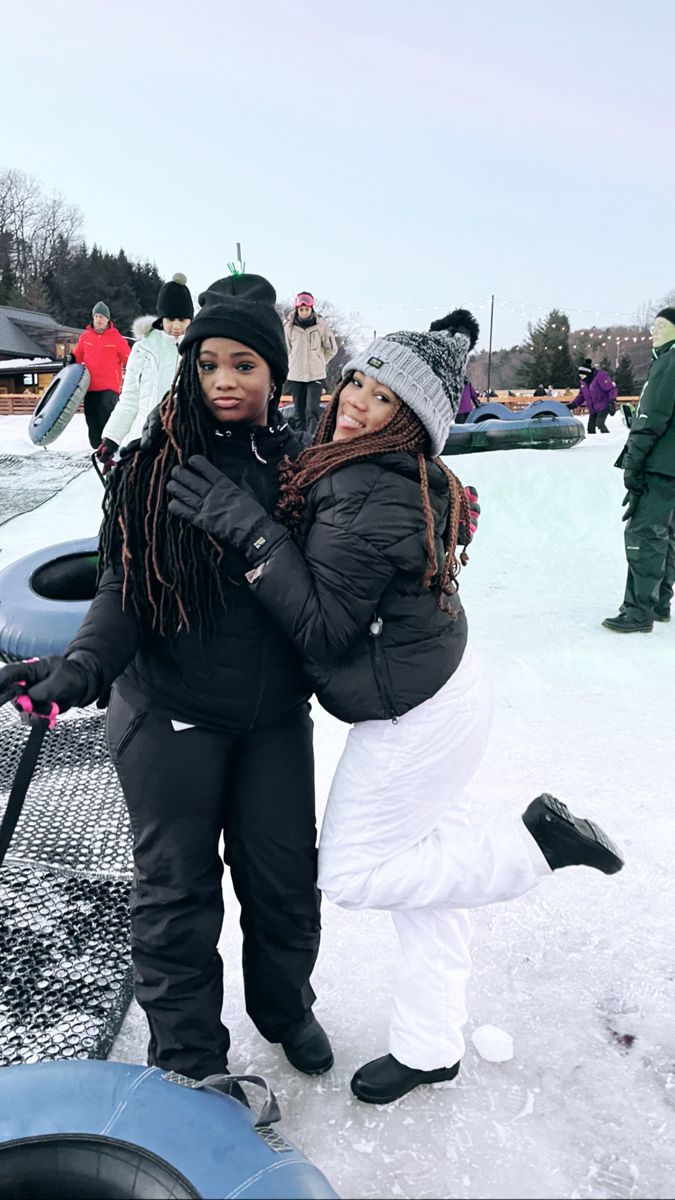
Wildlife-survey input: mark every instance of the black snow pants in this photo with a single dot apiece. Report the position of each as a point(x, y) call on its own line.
point(97, 408)
point(307, 402)
point(650, 549)
point(183, 789)
point(598, 420)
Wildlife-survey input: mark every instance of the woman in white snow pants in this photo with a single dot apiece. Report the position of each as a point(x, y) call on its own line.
point(396, 836)
point(367, 590)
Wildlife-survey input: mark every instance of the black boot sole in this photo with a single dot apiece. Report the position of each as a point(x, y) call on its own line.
point(420, 1078)
point(618, 629)
point(600, 851)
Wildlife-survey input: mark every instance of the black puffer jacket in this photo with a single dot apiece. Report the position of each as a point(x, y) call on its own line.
point(374, 643)
point(247, 673)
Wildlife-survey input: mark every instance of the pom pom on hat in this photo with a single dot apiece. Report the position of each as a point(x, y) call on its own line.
point(460, 320)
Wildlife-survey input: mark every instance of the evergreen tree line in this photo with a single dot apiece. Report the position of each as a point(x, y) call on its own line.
point(46, 266)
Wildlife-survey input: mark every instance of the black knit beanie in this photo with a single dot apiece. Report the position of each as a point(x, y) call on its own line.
point(668, 314)
point(241, 307)
point(174, 300)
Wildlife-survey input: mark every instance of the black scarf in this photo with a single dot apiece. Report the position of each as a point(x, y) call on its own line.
point(307, 323)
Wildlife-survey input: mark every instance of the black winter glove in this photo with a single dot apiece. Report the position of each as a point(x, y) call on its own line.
point(630, 502)
point(106, 454)
point(201, 494)
point(67, 682)
point(634, 481)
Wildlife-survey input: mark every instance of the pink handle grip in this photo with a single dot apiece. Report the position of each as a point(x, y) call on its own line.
point(29, 712)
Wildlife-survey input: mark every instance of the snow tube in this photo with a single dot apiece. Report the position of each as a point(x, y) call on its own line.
point(106, 1129)
point(540, 408)
point(543, 432)
point(44, 597)
point(492, 409)
point(59, 404)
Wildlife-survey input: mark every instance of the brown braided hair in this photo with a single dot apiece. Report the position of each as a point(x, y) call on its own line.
point(403, 433)
point(172, 573)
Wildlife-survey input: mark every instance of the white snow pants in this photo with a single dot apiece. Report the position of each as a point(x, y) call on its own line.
point(395, 836)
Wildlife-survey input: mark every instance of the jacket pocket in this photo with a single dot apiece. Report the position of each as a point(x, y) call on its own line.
point(382, 677)
point(128, 735)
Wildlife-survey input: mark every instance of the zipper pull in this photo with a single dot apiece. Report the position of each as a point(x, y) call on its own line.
point(376, 626)
point(254, 448)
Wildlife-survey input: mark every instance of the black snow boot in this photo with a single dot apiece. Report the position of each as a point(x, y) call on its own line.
point(625, 624)
point(662, 614)
point(569, 841)
point(306, 1046)
point(386, 1079)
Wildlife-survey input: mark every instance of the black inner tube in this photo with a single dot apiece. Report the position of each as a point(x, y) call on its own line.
point(87, 1167)
point(72, 577)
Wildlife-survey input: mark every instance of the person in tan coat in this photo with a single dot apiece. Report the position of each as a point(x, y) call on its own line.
point(311, 345)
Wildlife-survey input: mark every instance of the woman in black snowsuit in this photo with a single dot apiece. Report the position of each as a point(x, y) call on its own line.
point(367, 589)
point(208, 722)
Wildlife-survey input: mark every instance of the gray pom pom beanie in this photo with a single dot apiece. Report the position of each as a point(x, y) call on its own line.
point(425, 370)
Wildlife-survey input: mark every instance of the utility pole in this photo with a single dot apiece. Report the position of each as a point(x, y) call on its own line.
point(492, 313)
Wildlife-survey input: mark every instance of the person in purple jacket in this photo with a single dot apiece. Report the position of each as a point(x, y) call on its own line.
point(467, 402)
point(597, 391)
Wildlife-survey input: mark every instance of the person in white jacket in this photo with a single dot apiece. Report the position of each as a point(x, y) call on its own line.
point(151, 367)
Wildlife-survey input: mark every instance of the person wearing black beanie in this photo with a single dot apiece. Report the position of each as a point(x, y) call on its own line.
point(150, 370)
point(208, 720)
point(648, 464)
point(242, 308)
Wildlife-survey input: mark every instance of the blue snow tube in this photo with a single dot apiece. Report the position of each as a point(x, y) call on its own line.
point(544, 425)
point(106, 1129)
point(59, 404)
point(44, 598)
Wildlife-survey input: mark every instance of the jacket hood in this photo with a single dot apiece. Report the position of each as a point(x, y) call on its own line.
point(142, 326)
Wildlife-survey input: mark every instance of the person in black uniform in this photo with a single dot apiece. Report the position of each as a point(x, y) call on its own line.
point(648, 464)
point(208, 722)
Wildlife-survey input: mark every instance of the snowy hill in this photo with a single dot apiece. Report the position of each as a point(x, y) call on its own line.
point(580, 972)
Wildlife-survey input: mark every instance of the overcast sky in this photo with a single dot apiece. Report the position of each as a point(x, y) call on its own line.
point(396, 158)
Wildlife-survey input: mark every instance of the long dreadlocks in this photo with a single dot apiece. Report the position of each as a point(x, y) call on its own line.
point(171, 569)
point(403, 433)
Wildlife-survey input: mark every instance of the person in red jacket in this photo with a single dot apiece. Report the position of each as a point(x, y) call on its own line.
point(104, 353)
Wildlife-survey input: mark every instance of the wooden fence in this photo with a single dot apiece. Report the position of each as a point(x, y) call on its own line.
point(23, 405)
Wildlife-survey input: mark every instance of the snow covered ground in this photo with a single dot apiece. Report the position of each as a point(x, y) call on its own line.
point(581, 972)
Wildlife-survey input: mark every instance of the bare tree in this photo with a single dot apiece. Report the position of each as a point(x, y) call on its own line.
point(647, 311)
point(34, 228)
